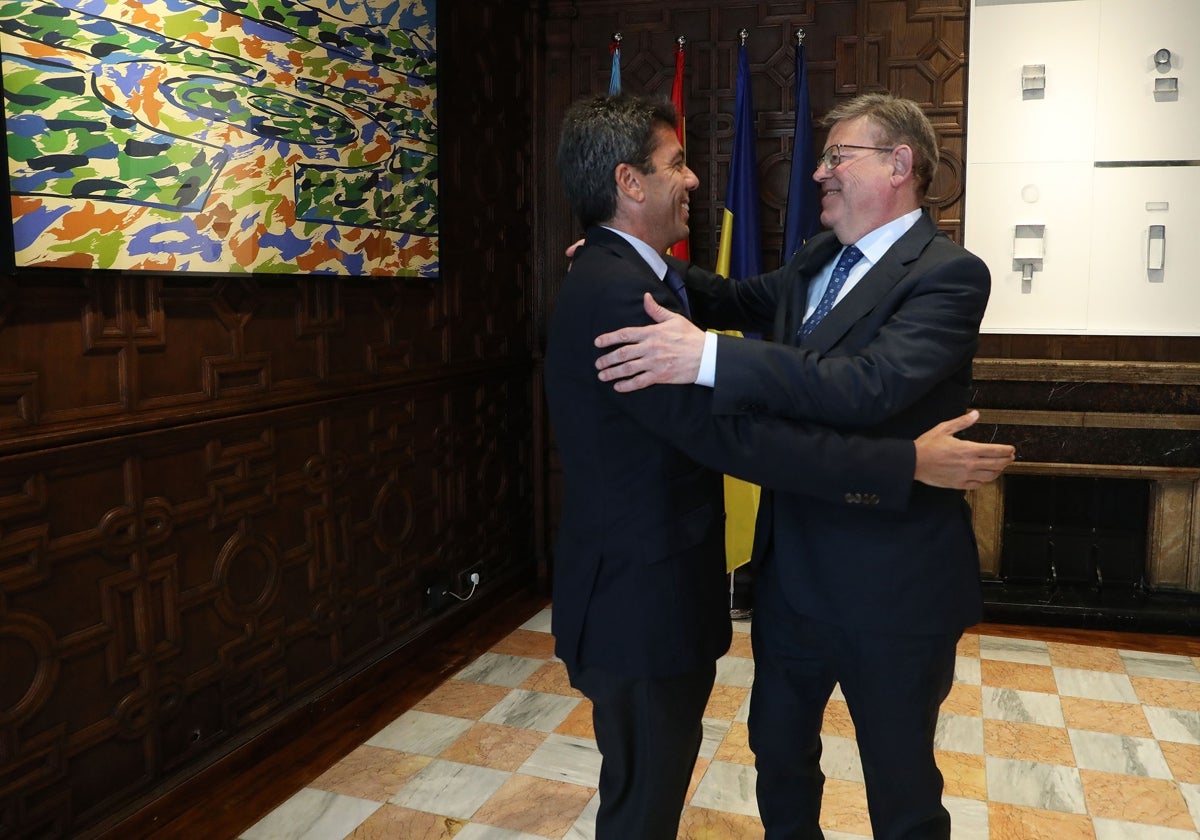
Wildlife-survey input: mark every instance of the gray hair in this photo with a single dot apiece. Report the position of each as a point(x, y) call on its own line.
point(899, 122)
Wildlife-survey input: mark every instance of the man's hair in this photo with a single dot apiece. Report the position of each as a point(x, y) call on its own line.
point(899, 122)
point(600, 133)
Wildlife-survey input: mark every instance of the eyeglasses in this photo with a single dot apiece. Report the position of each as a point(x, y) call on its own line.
point(832, 157)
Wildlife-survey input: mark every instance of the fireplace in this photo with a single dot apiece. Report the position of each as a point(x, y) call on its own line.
point(1097, 523)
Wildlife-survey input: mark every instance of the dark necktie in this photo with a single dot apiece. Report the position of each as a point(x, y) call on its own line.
point(675, 284)
point(838, 279)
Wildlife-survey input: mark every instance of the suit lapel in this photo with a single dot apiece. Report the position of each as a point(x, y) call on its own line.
point(874, 285)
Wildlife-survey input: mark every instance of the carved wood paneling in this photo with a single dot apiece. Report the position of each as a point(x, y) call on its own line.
point(221, 495)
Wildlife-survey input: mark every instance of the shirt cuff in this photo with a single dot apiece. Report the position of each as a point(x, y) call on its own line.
point(708, 361)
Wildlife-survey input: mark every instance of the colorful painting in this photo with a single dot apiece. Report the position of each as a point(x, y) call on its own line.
point(225, 136)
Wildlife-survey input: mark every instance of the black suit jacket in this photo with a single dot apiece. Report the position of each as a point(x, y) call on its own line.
point(639, 569)
point(892, 359)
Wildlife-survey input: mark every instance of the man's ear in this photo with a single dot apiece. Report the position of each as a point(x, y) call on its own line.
point(902, 161)
point(629, 181)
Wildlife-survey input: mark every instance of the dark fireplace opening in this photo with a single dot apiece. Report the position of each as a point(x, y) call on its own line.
point(1073, 552)
point(1080, 534)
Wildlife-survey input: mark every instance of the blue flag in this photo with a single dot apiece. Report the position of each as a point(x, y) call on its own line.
point(740, 254)
point(803, 217)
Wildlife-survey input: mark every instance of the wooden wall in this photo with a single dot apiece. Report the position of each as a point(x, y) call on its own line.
point(221, 496)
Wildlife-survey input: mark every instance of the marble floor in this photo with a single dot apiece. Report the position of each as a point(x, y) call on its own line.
point(1039, 740)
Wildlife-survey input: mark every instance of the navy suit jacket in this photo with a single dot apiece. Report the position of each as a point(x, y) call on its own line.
point(639, 563)
point(892, 359)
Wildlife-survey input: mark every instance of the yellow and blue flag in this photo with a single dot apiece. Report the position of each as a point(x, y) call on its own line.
point(740, 256)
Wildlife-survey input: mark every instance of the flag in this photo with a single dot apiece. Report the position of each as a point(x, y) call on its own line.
point(740, 256)
point(680, 249)
point(614, 79)
point(803, 216)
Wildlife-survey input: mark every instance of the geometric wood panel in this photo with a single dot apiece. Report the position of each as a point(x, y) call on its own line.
point(219, 496)
point(165, 593)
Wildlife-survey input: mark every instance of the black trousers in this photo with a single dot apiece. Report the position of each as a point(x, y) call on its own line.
point(648, 732)
point(893, 683)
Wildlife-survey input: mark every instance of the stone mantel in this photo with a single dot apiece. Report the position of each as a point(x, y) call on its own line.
point(1099, 419)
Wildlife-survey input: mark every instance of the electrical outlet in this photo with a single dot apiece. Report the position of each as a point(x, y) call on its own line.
point(437, 593)
point(465, 584)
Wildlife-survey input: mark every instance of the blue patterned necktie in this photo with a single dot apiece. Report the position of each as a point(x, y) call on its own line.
point(840, 272)
point(675, 284)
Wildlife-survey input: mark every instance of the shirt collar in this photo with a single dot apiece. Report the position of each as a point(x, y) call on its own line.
point(876, 243)
point(652, 257)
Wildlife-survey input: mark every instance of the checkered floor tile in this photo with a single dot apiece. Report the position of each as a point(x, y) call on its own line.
point(1039, 740)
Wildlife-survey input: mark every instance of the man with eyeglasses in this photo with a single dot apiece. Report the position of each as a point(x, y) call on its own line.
point(874, 324)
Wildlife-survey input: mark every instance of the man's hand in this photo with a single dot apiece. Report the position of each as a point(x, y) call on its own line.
point(572, 248)
point(945, 461)
point(665, 352)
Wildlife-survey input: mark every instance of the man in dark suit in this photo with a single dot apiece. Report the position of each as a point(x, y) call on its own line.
point(640, 612)
point(853, 595)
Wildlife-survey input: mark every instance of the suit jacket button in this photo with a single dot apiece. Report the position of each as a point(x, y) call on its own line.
point(851, 498)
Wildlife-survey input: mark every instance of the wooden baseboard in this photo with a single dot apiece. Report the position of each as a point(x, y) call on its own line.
point(236, 790)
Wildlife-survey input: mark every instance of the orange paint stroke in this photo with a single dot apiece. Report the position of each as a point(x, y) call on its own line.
point(87, 219)
point(320, 254)
point(146, 101)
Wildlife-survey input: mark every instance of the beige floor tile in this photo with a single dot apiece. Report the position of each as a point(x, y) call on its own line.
point(844, 807)
point(964, 700)
point(391, 822)
point(1087, 657)
point(837, 720)
point(968, 645)
point(697, 776)
point(551, 678)
point(740, 646)
point(725, 701)
point(495, 746)
point(707, 824)
point(370, 773)
point(1015, 822)
point(558, 805)
point(1027, 742)
point(526, 643)
point(1184, 761)
point(964, 774)
point(578, 722)
point(1105, 716)
point(735, 747)
point(461, 699)
point(1017, 675)
point(1133, 799)
point(1171, 694)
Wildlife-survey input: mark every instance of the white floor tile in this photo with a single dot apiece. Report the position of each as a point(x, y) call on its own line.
point(1094, 685)
point(421, 733)
point(1015, 706)
point(313, 815)
point(727, 787)
point(1035, 785)
point(450, 788)
point(1119, 754)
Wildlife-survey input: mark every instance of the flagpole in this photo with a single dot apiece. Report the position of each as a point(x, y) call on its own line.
point(682, 248)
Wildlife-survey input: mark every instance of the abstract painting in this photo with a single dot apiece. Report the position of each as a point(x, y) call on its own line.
point(224, 136)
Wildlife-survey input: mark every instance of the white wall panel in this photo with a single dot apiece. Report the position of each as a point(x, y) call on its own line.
point(1126, 296)
point(1041, 161)
point(1003, 125)
point(1001, 196)
point(1131, 122)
